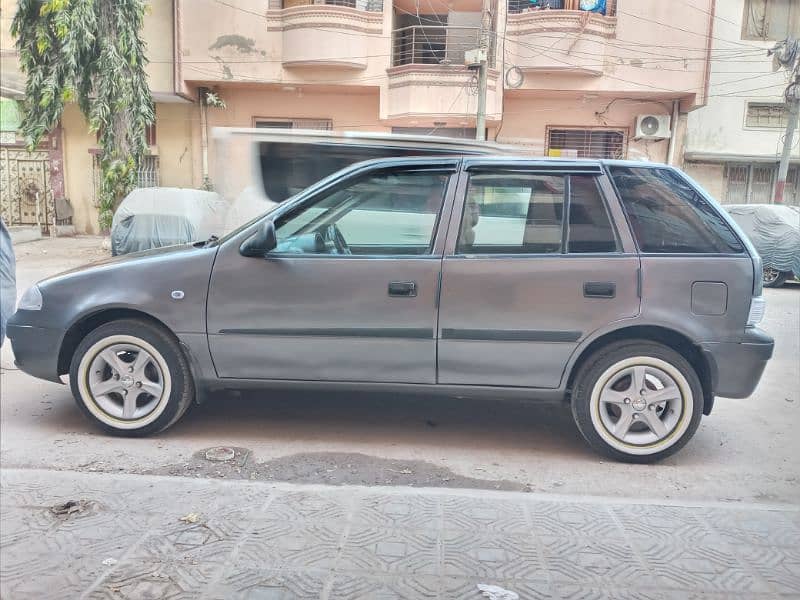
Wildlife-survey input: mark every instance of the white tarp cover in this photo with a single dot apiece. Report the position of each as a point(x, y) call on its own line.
point(774, 231)
point(154, 217)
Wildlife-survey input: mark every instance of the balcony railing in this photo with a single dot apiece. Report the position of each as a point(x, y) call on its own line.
point(368, 5)
point(434, 45)
point(521, 6)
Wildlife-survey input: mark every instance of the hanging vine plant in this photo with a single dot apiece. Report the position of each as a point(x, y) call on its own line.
point(90, 52)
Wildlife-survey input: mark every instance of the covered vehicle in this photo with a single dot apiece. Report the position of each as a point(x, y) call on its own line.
point(775, 232)
point(162, 216)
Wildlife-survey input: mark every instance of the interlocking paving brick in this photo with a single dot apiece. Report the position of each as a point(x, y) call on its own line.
point(256, 540)
point(377, 550)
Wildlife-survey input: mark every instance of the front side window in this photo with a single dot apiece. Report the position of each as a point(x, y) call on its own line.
point(667, 215)
point(522, 213)
point(388, 213)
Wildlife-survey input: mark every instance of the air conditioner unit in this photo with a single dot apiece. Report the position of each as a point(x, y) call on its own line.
point(652, 127)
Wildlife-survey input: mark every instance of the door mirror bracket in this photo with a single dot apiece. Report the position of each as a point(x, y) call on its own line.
point(261, 242)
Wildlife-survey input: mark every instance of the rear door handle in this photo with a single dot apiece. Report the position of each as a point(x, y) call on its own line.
point(407, 289)
point(599, 289)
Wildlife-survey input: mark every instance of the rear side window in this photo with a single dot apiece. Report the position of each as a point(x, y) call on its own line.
point(523, 213)
point(668, 216)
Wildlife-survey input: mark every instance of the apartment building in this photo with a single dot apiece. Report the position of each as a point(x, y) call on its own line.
point(734, 143)
point(562, 81)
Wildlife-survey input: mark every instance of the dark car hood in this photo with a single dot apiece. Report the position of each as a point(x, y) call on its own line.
point(134, 258)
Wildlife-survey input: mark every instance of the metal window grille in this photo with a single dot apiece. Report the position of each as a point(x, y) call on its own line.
point(586, 143)
point(368, 5)
point(319, 124)
point(791, 194)
point(148, 174)
point(767, 114)
point(736, 177)
point(435, 45)
point(520, 6)
point(755, 183)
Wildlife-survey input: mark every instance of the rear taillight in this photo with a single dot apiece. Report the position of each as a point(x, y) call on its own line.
point(756, 314)
point(758, 276)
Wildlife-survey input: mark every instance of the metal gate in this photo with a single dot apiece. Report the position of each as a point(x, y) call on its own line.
point(25, 194)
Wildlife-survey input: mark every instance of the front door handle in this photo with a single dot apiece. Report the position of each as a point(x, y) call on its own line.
point(599, 289)
point(406, 289)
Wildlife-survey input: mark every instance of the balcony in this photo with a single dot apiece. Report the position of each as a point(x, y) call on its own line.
point(521, 6)
point(329, 34)
point(434, 45)
point(428, 78)
point(559, 39)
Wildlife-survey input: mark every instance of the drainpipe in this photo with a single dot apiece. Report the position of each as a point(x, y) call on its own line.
point(203, 134)
point(673, 141)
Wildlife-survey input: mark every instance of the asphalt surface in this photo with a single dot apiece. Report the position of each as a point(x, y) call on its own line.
point(745, 452)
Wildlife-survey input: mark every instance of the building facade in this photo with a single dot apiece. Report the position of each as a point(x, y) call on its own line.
point(561, 81)
point(734, 143)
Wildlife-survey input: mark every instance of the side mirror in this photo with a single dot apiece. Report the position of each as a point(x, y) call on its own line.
point(261, 242)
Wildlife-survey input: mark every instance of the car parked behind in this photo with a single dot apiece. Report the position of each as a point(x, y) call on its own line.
point(775, 233)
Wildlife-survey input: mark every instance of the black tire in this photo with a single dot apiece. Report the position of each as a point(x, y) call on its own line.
point(777, 282)
point(167, 357)
point(594, 376)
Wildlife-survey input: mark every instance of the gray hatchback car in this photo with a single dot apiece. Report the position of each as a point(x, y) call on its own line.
point(620, 289)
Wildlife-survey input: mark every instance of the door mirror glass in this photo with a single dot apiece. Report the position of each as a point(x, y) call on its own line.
point(261, 242)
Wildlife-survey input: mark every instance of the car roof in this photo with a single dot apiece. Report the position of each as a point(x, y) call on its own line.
point(508, 161)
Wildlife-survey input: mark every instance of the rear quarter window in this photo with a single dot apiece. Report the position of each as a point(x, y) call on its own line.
point(668, 216)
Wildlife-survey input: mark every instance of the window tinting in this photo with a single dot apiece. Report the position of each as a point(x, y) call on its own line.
point(668, 216)
point(512, 213)
point(590, 228)
point(391, 213)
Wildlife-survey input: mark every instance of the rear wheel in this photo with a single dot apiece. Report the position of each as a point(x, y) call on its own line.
point(637, 401)
point(773, 278)
point(131, 378)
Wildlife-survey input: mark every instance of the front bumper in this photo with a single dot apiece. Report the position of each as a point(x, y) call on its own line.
point(736, 367)
point(36, 350)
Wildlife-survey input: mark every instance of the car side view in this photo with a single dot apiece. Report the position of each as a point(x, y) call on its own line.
point(618, 288)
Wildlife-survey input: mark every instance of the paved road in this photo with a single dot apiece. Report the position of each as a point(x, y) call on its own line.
point(256, 540)
point(747, 451)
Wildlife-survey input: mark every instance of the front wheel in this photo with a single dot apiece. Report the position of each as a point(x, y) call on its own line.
point(772, 278)
point(131, 378)
point(637, 401)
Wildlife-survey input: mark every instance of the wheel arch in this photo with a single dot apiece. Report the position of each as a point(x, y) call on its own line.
point(654, 333)
point(88, 323)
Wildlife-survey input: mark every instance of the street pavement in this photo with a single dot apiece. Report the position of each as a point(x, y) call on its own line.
point(401, 497)
point(145, 537)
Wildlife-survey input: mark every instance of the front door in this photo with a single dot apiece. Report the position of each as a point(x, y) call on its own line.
point(522, 282)
point(348, 294)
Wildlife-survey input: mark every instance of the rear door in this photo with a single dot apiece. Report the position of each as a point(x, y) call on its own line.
point(533, 265)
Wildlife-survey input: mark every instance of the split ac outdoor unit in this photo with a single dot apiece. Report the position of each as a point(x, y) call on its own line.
point(652, 127)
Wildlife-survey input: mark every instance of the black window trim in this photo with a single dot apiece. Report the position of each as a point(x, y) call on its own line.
point(608, 171)
point(451, 171)
point(567, 174)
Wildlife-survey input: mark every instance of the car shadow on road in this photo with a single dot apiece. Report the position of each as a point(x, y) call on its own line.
point(394, 419)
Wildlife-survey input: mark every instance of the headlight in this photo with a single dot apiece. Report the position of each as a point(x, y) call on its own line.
point(31, 299)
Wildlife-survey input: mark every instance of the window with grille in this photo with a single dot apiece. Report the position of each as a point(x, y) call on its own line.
point(586, 143)
point(148, 174)
point(770, 19)
point(320, 124)
point(773, 115)
point(754, 183)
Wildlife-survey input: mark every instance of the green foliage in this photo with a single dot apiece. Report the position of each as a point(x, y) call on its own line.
point(89, 51)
